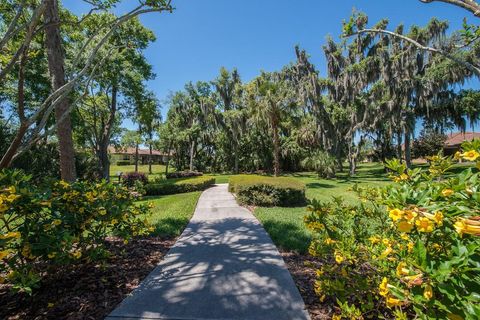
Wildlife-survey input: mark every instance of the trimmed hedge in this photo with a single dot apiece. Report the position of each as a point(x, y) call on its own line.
point(183, 174)
point(172, 186)
point(267, 191)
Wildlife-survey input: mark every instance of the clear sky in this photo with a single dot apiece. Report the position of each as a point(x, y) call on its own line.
point(201, 36)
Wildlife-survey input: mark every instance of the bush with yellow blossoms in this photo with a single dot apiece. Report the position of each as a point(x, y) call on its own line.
point(423, 260)
point(42, 229)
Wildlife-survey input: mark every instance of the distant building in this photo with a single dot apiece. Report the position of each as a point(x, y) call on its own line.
point(128, 154)
point(455, 140)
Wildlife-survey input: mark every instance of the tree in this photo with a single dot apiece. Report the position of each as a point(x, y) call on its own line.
point(269, 100)
point(429, 143)
point(36, 122)
point(229, 87)
point(114, 87)
point(132, 139)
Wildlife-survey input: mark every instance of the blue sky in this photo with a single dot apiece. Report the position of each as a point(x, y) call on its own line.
point(201, 36)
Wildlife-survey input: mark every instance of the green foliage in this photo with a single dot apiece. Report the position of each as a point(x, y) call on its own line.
point(322, 163)
point(42, 229)
point(428, 143)
point(267, 191)
point(411, 248)
point(172, 186)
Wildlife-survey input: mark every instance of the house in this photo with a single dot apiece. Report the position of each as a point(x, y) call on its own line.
point(127, 155)
point(455, 140)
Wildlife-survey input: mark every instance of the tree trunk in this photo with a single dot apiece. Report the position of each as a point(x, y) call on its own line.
point(236, 158)
point(151, 154)
point(408, 151)
point(192, 154)
point(136, 157)
point(17, 140)
point(55, 55)
point(399, 146)
point(104, 161)
point(276, 150)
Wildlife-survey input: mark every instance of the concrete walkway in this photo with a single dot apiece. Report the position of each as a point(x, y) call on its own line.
point(224, 266)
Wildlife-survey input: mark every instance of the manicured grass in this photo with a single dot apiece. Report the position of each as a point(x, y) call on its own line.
point(157, 169)
point(285, 225)
point(170, 214)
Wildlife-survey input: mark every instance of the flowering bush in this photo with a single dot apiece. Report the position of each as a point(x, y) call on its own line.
point(41, 229)
point(418, 254)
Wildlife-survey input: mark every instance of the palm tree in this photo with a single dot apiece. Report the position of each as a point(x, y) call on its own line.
point(269, 100)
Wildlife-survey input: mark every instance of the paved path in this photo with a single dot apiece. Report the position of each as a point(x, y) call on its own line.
point(224, 266)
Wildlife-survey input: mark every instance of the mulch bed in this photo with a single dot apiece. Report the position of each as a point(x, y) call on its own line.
point(302, 268)
point(90, 290)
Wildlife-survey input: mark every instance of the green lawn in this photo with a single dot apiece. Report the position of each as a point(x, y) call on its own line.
point(171, 213)
point(157, 169)
point(285, 225)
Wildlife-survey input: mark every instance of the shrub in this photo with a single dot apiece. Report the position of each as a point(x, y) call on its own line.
point(43, 229)
point(130, 179)
point(122, 163)
point(183, 174)
point(267, 191)
point(418, 255)
point(322, 163)
point(172, 186)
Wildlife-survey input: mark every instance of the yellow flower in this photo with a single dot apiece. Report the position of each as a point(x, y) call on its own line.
point(438, 217)
point(374, 239)
point(102, 211)
point(9, 235)
point(471, 155)
point(447, 192)
point(386, 242)
point(393, 302)
point(329, 241)
point(383, 287)
point(4, 253)
point(386, 253)
point(114, 221)
point(125, 241)
point(50, 305)
point(395, 214)
point(57, 222)
point(404, 226)
point(402, 269)
point(52, 255)
point(64, 184)
point(81, 210)
point(77, 254)
point(336, 317)
point(12, 197)
point(3, 207)
point(428, 292)
point(467, 226)
point(151, 229)
point(424, 225)
point(404, 236)
point(338, 257)
point(10, 189)
point(457, 155)
point(410, 215)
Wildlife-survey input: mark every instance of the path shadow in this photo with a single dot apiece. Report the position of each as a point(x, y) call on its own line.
point(219, 269)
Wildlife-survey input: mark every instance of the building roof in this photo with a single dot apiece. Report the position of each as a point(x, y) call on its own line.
point(457, 138)
point(131, 151)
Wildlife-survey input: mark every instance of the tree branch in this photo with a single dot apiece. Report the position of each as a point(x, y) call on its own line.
point(474, 69)
point(469, 5)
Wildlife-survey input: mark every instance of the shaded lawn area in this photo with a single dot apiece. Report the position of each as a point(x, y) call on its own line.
point(171, 213)
point(285, 225)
